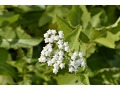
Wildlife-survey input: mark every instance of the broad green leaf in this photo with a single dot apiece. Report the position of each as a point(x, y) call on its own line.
point(79, 15)
point(17, 38)
point(73, 39)
point(64, 26)
point(68, 79)
point(84, 38)
point(59, 10)
point(8, 19)
point(25, 43)
point(107, 36)
point(102, 32)
point(75, 15)
point(95, 20)
point(86, 17)
point(44, 19)
point(109, 40)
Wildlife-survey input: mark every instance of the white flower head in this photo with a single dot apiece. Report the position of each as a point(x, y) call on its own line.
point(55, 57)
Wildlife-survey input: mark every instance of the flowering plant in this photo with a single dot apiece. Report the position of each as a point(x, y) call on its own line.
point(50, 44)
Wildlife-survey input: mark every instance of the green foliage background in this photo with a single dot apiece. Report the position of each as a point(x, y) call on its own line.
point(95, 30)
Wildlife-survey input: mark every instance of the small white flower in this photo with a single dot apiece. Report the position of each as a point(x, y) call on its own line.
point(53, 60)
point(53, 31)
point(83, 64)
point(56, 37)
point(47, 53)
point(60, 46)
point(39, 59)
point(62, 65)
point(55, 70)
point(55, 65)
point(46, 40)
point(49, 63)
point(67, 49)
point(81, 54)
point(59, 62)
point(49, 31)
point(46, 35)
point(60, 42)
point(60, 58)
point(78, 62)
point(71, 69)
point(61, 35)
point(75, 54)
point(43, 52)
point(73, 57)
point(51, 39)
point(72, 63)
point(66, 44)
point(61, 53)
point(50, 49)
point(49, 45)
point(42, 59)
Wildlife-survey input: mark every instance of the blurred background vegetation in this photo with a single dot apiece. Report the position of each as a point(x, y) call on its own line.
point(21, 40)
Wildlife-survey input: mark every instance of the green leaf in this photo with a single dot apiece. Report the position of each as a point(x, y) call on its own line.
point(107, 36)
point(64, 26)
point(75, 16)
point(17, 38)
point(86, 17)
point(8, 19)
point(68, 79)
point(4, 43)
point(79, 15)
point(83, 37)
point(109, 40)
point(44, 19)
point(73, 39)
point(95, 20)
point(59, 10)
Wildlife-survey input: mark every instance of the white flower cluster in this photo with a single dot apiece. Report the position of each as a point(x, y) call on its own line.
point(76, 61)
point(55, 58)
